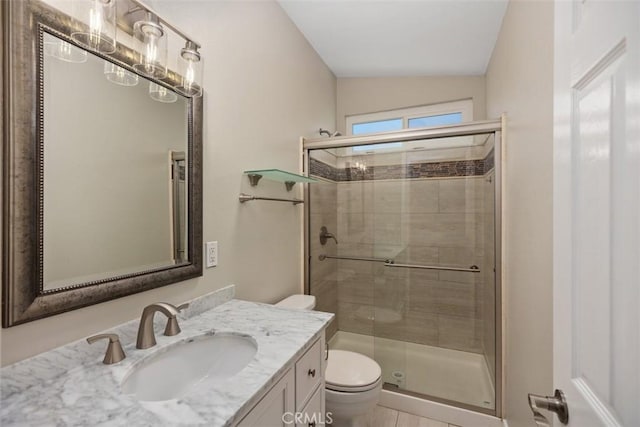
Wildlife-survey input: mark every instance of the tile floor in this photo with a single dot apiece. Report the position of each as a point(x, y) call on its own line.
point(385, 417)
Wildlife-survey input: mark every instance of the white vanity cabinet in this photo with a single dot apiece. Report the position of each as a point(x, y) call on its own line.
point(297, 399)
point(279, 400)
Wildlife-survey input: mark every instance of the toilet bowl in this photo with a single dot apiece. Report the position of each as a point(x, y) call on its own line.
point(352, 380)
point(352, 387)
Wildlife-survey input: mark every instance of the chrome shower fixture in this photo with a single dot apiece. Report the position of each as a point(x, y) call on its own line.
point(324, 235)
point(328, 133)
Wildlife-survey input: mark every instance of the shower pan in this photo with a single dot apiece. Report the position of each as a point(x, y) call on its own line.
point(413, 280)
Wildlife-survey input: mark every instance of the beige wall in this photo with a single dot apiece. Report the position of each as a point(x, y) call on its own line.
point(367, 95)
point(265, 86)
point(520, 83)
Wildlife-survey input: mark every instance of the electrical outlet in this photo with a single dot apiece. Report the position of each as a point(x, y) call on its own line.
point(211, 250)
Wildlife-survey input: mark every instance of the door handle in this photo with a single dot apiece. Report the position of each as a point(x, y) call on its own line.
point(324, 235)
point(556, 403)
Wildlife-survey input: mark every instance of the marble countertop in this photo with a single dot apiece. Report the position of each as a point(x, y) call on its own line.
point(71, 386)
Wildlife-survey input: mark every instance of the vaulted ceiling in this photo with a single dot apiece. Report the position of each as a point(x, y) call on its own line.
point(383, 38)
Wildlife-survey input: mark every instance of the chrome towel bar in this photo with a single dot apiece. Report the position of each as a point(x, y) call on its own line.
point(391, 263)
point(472, 269)
point(353, 258)
point(247, 197)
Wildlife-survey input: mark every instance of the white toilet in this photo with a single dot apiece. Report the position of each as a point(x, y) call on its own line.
point(352, 380)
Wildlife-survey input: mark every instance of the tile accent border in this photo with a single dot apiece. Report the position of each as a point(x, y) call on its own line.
point(456, 168)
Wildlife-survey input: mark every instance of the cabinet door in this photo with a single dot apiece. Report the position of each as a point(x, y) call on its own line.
point(313, 414)
point(270, 411)
point(308, 374)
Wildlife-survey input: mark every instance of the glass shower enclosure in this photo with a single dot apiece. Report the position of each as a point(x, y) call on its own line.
point(403, 245)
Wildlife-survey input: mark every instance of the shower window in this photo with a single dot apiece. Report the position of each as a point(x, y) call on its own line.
point(376, 126)
point(439, 120)
point(446, 113)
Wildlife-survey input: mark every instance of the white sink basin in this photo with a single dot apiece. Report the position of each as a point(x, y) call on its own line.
point(171, 374)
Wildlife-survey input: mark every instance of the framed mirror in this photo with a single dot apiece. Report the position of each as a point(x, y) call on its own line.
point(102, 168)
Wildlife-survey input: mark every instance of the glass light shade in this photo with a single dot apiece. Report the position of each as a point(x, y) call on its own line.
point(162, 94)
point(100, 15)
point(64, 51)
point(118, 75)
point(152, 49)
point(190, 69)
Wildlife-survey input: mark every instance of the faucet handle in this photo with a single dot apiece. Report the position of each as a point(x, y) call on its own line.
point(324, 235)
point(114, 352)
point(172, 327)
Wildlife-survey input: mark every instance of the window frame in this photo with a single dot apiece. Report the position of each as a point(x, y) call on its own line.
point(464, 106)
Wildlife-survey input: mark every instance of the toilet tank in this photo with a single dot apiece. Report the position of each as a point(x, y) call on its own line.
point(299, 301)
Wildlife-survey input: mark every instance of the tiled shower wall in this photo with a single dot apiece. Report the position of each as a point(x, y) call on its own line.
point(418, 221)
point(434, 221)
point(323, 274)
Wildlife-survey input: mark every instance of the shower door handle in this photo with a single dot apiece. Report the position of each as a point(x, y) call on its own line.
point(324, 235)
point(556, 403)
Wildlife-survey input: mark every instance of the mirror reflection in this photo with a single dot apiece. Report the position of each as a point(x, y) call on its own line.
point(115, 151)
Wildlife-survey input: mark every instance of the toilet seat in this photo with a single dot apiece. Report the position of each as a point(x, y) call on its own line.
point(351, 372)
point(342, 389)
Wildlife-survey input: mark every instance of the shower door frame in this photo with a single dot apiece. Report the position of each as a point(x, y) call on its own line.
point(494, 127)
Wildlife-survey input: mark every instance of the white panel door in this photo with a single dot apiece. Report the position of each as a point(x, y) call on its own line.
point(597, 211)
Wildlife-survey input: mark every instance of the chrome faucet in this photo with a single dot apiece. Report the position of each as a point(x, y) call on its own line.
point(146, 335)
point(114, 352)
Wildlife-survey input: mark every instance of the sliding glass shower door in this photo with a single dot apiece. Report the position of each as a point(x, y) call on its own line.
point(410, 270)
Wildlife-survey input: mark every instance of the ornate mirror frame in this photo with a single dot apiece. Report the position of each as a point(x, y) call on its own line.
point(23, 299)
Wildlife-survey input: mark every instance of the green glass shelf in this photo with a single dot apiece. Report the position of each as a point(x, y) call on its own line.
point(289, 179)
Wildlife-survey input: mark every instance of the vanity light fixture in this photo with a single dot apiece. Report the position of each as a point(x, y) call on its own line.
point(118, 75)
point(152, 47)
point(64, 51)
point(190, 68)
point(100, 35)
point(150, 34)
point(161, 94)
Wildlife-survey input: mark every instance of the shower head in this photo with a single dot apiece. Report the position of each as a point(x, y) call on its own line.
point(328, 133)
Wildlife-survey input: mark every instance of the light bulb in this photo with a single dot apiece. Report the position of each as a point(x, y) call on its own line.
point(63, 50)
point(118, 75)
point(190, 69)
point(100, 15)
point(162, 94)
point(95, 23)
point(151, 55)
point(189, 76)
point(153, 49)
